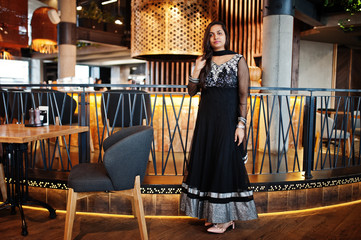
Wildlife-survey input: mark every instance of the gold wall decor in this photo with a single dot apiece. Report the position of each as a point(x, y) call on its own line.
point(170, 30)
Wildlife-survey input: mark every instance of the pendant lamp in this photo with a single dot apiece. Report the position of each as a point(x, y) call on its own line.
point(170, 30)
point(44, 32)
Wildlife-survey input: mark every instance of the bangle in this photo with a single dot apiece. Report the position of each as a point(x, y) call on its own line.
point(242, 119)
point(241, 126)
point(194, 80)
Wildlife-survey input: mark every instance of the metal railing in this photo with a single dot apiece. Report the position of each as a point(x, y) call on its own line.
point(313, 130)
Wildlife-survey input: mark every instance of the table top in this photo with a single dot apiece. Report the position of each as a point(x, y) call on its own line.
point(18, 133)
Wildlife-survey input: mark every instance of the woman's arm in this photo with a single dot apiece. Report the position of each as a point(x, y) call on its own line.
point(194, 83)
point(243, 91)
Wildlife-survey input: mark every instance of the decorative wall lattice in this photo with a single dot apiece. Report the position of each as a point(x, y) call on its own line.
point(170, 29)
point(244, 21)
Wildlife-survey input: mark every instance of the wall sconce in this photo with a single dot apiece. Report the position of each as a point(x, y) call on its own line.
point(44, 32)
point(170, 30)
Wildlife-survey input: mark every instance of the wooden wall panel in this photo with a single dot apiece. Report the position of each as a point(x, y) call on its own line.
point(244, 21)
point(356, 70)
point(168, 73)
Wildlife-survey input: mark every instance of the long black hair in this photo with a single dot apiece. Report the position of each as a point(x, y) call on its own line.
point(208, 50)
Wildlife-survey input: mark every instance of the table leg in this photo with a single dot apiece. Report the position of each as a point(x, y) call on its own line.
point(19, 194)
point(14, 199)
point(27, 200)
point(16, 170)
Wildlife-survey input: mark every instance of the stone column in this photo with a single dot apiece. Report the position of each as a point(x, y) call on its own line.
point(277, 43)
point(67, 39)
point(277, 69)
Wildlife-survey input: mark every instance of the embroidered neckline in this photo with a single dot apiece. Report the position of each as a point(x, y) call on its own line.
point(225, 61)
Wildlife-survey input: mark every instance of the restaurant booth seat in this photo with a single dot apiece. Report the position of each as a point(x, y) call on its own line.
point(124, 108)
point(125, 159)
point(61, 105)
point(18, 104)
point(61, 109)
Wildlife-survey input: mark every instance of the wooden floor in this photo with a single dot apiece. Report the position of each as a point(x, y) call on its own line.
point(337, 222)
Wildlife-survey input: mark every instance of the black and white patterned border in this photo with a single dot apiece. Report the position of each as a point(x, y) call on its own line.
point(256, 187)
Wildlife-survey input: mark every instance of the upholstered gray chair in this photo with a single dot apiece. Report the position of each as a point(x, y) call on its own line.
point(126, 154)
point(60, 105)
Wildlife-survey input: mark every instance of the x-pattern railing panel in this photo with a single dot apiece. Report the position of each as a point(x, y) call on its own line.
point(275, 136)
point(274, 117)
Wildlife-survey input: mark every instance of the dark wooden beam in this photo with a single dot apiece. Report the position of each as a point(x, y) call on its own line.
point(307, 12)
point(86, 34)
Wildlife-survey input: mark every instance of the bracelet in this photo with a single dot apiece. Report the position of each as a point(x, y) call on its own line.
point(241, 126)
point(242, 119)
point(194, 80)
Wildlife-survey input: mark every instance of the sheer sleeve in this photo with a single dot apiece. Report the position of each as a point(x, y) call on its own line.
point(243, 86)
point(193, 88)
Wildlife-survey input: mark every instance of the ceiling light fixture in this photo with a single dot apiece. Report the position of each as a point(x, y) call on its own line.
point(107, 2)
point(118, 22)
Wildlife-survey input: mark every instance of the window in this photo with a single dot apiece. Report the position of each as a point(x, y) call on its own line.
point(14, 72)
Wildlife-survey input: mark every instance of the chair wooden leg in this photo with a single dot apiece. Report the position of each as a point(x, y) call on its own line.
point(318, 142)
point(348, 147)
point(139, 210)
point(91, 144)
point(2, 183)
point(70, 214)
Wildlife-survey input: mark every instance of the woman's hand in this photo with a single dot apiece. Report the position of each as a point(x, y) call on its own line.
point(239, 135)
point(200, 63)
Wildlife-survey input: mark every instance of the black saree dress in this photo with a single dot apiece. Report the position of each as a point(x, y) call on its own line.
point(216, 185)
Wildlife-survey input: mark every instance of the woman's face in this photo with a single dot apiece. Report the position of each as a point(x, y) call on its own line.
point(217, 38)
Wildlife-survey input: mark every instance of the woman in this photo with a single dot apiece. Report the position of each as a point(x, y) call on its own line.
point(216, 185)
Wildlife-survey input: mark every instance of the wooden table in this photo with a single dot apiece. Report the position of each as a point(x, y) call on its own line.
point(15, 138)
